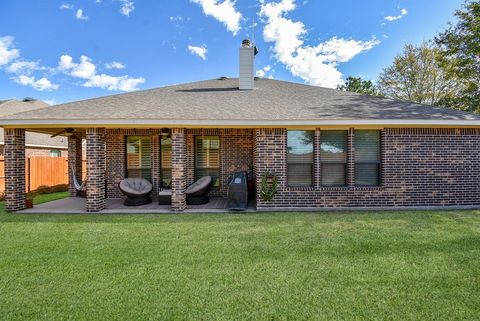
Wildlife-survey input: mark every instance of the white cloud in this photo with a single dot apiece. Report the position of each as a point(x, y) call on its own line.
point(51, 102)
point(263, 72)
point(127, 7)
point(66, 6)
point(24, 67)
point(42, 84)
point(316, 65)
point(123, 83)
point(260, 73)
point(115, 65)
point(224, 11)
point(199, 51)
point(79, 15)
point(8, 52)
point(87, 70)
point(403, 12)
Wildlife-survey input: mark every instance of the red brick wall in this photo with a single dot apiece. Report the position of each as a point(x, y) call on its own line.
point(15, 169)
point(96, 161)
point(179, 168)
point(116, 165)
point(420, 167)
point(236, 148)
point(236, 154)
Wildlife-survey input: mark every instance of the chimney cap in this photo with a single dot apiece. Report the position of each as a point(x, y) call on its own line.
point(246, 43)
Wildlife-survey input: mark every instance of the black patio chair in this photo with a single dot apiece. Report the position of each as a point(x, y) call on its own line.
point(197, 192)
point(137, 190)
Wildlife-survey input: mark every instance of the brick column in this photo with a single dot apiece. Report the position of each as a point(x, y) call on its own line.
point(351, 158)
point(15, 169)
point(96, 152)
point(316, 160)
point(74, 161)
point(271, 156)
point(179, 165)
point(155, 139)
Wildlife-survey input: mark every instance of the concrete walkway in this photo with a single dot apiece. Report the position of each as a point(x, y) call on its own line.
point(76, 205)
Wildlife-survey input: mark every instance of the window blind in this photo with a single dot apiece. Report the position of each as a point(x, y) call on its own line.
point(166, 161)
point(333, 157)
point(367, 157)
point(207, 157)
point(300, 157)
point(139, 157)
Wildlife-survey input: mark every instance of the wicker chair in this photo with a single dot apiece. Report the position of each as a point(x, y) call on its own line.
point(197, 192)
point(136, 190)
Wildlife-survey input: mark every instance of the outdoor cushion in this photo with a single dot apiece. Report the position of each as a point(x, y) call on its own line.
point(165, 192)
point(135, 186)
point(165, 197)
point(199, 185)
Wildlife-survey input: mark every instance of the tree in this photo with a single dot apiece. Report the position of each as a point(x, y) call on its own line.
point(417, 76)
point(459, 48)
point(358, 85)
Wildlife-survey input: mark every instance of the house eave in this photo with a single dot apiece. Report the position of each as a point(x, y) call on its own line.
point(40, 146)
point(220, 123)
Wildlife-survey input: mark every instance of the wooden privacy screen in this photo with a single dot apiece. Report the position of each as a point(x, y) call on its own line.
point(41, 171)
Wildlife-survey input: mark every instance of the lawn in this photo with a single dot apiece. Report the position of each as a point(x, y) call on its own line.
point(290, 266)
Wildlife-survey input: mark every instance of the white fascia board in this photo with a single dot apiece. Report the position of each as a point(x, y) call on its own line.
point(52, 123)
point(41, 146)
point(46, 146)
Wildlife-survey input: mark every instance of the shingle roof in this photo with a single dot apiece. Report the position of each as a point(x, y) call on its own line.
point(217, 101)
point(11, 107)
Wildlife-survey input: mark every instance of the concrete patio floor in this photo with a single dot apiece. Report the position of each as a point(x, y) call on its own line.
point(76, 205)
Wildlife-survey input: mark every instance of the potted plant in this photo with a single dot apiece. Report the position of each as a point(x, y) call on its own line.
point(30, 196)
point(268, 186)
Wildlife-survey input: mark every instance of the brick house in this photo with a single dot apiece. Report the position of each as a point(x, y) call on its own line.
point(327, 148)
point(36, 144)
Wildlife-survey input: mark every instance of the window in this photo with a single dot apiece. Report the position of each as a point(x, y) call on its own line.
point(207, 158)
point(367, 157)
point(333, 157)
point(139, 157)
point(300, 158)
point(55, 153)
point(166, 161)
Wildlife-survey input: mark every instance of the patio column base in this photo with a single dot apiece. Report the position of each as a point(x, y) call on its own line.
point(96, 153)
point(179, 165)
point(15, 169)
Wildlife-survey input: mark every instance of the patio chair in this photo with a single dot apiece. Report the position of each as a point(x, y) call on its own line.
point(197, 192)
point(136, 189)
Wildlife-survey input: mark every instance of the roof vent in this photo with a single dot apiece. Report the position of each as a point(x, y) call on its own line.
point(28, 99)
point(222, 78)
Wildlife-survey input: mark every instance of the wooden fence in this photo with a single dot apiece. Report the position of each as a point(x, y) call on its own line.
point(41, 171)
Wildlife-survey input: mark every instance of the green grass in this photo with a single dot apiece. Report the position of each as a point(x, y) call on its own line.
point(302, 266)
point(44, 198)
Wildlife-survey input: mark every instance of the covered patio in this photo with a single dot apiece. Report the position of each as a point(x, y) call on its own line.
point(77, 205)
point(169, 158)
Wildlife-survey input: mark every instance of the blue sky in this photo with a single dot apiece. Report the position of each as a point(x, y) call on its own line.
point(62, 51)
